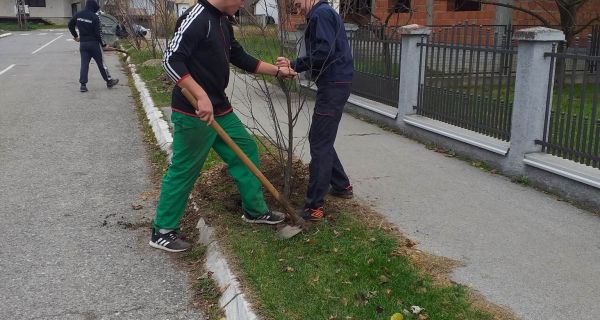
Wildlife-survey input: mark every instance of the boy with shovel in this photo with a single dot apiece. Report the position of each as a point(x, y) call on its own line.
point(197, 60)
point(329, 60)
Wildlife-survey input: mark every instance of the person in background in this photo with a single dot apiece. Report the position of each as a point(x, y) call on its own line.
point(90, 43)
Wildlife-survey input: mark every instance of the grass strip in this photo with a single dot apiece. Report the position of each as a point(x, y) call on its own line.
point(341, 269)
point(9, 26)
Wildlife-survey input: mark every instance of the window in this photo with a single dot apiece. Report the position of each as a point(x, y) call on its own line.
point(464, 5)
point(356, 7)
point(401, 6)
point(36, 3)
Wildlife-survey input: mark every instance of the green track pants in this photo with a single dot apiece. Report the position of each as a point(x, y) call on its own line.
point(192, 140)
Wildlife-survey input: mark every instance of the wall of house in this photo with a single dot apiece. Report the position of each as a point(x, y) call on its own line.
point(7, 9)
point(440, 12)
point(56, 11)
point(549, 11)
point(267, 7)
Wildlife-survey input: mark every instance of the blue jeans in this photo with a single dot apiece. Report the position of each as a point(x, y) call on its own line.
point(325, 167)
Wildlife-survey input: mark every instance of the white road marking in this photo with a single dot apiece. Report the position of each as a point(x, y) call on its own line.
point(42, 34)
point(9, 67)
point(42, 47)
point(25, 34)
point(69, 39)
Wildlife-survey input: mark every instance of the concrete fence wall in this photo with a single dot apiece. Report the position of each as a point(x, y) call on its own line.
point(569, 179)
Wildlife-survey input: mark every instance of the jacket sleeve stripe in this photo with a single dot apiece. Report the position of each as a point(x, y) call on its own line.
point(187, 75)
point(174, 45)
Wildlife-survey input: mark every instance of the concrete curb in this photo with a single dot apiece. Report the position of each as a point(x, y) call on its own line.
point(155, 116)
point(232, 298)
point(5, 35)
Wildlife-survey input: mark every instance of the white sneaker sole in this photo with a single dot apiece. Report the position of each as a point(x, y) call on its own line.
point(158, 246)
point(261, 221)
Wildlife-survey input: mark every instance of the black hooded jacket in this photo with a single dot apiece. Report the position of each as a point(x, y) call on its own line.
point(88, 23)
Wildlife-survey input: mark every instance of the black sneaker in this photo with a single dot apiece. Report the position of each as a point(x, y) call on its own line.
point(112, 82)
point(345, 193)
point(271, 217)
point(310, 214)
point(83, 88)
point(168, 241)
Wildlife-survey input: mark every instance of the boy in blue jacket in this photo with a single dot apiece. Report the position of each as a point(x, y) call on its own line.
point(328, 59)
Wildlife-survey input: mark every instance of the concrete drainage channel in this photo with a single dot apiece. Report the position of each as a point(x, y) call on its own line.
point(232, 300)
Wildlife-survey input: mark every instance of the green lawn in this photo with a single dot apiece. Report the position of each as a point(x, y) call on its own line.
point(579, 92)
point(5, 26)
point(339, 270)
point(160, 90)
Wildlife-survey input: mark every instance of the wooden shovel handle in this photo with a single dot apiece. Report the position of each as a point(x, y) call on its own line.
point(109, 48)
point(249, 164)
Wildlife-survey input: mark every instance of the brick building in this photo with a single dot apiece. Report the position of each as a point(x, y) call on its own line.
point(451, 12)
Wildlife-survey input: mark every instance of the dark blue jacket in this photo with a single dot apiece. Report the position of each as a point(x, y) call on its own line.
point(328, 56)
point(88, 23)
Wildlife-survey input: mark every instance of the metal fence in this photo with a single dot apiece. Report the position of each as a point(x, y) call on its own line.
point(594, 46)
point(469, 78)
point(572, 127)
point(376, 53)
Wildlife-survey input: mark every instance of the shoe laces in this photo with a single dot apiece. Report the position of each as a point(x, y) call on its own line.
point(171, 235)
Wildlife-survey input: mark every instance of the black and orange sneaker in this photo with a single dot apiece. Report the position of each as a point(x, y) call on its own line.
point(311, 214)
point(345, 193)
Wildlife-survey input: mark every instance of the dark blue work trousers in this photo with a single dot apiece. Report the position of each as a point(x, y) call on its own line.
point(89, 50)
point(325, 167)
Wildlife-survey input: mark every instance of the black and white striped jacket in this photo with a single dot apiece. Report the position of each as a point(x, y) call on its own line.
point(202, 48)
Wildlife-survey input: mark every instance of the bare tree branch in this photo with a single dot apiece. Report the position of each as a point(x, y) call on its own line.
point(589, 23)
point(530, 12)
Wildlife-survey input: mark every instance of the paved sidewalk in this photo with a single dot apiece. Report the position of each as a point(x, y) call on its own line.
point(71, 166)
point(521, 248)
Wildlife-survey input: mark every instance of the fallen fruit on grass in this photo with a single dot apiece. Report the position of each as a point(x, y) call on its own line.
point(397, 316)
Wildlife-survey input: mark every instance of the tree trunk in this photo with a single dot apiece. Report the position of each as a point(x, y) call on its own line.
point(568, 14)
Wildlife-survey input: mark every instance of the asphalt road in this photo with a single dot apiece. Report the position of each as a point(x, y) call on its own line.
point(71, 166)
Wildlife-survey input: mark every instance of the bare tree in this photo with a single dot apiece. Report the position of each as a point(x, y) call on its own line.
point(568, 11)
point(163, 23)
point(284, 103)
point(21, 14)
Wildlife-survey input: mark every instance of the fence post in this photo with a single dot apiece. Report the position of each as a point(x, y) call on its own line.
point(533, 80)
point(410, 68)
